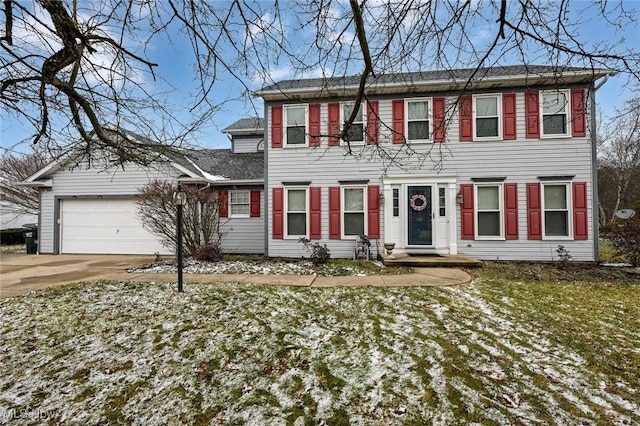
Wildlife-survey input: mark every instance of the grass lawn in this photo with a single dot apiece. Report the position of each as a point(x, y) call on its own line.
point(524, 344)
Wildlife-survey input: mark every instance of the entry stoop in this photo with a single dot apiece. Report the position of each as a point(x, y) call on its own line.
point(431, 261)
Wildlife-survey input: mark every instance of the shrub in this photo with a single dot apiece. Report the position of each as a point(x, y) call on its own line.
point(564, 256)
point(11, 237)
point(209, 253)
point(318, 254)
point(625, 239)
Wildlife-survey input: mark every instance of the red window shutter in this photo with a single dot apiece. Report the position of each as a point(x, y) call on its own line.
point(467, 211)
point(315, 207)
point(580, 225)
point(511, 211)
point(509, 116)
point(532, 114)
point(373, 210)
point(534, 212)
point(254, 206)
point(223, 203)
point(373, 123)
point(578, 116)
point(397, 119)
point(314, 125)
point(276, 127)
point(334, 124)
point(465, 110)
point(334, 213)
point(278, 214)
point(439, 123)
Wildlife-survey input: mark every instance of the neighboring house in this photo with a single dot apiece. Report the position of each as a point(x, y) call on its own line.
point(499, 164)
point(89, 206)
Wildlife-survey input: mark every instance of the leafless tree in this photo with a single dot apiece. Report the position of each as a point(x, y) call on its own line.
point(201, 219)
point(15, 168)
point(619, 162)
point(69, 68)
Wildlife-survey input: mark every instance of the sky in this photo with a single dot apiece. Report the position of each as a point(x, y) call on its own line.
point(175, 66)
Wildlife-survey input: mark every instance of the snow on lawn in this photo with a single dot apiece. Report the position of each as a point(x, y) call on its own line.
point(144, 354)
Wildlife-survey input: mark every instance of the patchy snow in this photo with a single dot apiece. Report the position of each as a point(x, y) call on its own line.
point(262, 267)
point(143, 354)
point(208, 176)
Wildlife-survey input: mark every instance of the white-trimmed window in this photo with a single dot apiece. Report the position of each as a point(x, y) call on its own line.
point(353, 210)
point(418, 120)
point(489, 211)
point(487, 113)
point(356, 131)
point(239, 203)
point(296, 212)
point(295, 125)
point(555, 113)
point(556, 208)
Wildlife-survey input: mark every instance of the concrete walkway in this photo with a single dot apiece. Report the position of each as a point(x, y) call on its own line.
point(22, 273)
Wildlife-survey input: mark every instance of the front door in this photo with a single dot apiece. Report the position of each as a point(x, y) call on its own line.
point(419, 217)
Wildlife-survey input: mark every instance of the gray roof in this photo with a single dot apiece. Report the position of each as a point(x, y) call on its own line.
point(225, 163)
point(426, 76)
point(251, 123)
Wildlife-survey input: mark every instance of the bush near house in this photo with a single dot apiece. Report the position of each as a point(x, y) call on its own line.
point(11, 237)
point(625, 239)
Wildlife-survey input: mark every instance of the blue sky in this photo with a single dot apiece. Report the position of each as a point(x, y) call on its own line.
point(175, 66)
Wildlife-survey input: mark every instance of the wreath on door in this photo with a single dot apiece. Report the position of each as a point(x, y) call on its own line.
point(418, 207)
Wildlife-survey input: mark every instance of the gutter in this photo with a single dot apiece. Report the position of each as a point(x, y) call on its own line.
point(223, 182)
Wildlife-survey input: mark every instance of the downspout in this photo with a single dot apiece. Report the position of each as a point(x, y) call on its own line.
point(594, 172)
point(267, 139)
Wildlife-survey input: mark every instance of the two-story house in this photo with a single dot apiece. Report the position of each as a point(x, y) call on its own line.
point(495, 164)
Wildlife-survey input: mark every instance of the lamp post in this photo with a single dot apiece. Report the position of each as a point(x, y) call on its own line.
point(179, 199)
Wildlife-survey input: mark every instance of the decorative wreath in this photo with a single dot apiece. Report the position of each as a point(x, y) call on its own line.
point(414, 206)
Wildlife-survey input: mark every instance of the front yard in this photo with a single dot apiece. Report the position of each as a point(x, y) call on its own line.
point(524, 344)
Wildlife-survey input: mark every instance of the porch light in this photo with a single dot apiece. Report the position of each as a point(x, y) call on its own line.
point(381, 199)
point(179, 199)
point(459, 198)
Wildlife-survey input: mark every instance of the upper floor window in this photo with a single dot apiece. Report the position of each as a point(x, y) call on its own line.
point(555, 205)
point(353, 211)
point(487, 116)
point(418, 125)
point(296, 212)
point(356, 131)
point(555, 113)
point(239, 203)
point(295, 125)
point(489, 211)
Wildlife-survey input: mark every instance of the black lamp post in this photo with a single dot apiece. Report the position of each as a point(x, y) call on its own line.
point(179, 199)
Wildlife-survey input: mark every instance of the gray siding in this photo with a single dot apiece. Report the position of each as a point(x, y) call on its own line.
point(520, 161)
point(244, 235)
point(46, 222)
point(243, 144)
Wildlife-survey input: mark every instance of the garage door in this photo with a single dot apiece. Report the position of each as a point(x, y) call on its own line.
point(105, 227)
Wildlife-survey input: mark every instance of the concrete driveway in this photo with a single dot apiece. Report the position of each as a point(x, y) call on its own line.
point(22, 273)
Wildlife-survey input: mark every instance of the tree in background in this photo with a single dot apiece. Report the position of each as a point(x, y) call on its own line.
point(201, 219)
point(69, 67)
point(15, 168)
point(619, 163)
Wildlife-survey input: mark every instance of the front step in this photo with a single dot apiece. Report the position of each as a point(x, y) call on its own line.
point(434, 261)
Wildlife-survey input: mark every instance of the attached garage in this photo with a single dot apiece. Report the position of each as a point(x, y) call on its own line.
point(104, 226)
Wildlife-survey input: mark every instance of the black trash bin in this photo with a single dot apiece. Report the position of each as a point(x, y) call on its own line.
point(30, 231)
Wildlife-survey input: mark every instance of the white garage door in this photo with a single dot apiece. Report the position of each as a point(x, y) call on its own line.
point(105, 227)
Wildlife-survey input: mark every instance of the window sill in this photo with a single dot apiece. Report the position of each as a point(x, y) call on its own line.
point(239, 216)
point(486, 238)
point(558, 238)
point(558, 136)
point(286, 146)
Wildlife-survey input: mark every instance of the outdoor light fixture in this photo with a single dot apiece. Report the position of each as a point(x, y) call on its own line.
point(459, 198)
point(179, 199)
